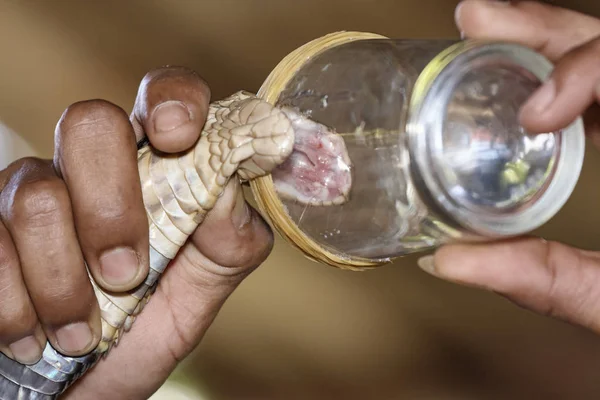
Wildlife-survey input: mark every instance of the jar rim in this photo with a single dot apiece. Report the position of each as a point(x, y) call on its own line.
point(429, 101)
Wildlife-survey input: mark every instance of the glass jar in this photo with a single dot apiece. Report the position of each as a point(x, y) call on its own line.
point(437, 152)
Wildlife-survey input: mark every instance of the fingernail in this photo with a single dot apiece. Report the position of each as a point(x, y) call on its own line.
point(541, 99)
point(170, 115)
point(27, 350)
point(74, 338)
point(119, 266)
point(240, 216)
point(427, 264)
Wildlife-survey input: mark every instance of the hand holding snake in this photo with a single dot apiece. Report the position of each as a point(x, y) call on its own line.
point(86, 208)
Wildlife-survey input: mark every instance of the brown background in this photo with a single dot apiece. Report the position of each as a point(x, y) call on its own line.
point(294, 329)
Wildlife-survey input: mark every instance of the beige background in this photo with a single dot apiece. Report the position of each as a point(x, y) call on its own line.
point(294, 329)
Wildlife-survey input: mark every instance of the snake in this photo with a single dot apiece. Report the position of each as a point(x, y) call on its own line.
point(244, 137)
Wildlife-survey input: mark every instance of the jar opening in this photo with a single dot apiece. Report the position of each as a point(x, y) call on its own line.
point(477, 162)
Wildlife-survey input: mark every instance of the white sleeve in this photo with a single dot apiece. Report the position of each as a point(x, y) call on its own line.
point(12, 146)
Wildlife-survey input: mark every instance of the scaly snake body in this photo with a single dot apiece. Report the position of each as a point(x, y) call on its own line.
point(244, 136)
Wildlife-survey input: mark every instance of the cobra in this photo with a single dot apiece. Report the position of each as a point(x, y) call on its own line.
point(244, 138)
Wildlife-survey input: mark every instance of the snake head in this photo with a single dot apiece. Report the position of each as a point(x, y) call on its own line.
point(318, 170)
point(261, 138)
point(308, 162)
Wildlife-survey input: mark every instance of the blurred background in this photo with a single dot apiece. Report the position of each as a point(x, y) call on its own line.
point(296, 329)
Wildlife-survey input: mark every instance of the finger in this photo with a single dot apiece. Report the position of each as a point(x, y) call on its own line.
point(227, 246)
point(234, 237)
point(96, 155)
point(171, 108)
point(551, 30)
point(36, 210)
point(571, 89)
point(546, 277)
point(21, 335)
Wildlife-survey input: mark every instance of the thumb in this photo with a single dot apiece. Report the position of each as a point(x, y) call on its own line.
point(229, 244)
point(549, 278)
point(233, 239)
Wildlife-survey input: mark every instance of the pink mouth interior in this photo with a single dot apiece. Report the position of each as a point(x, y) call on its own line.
point(318, 170)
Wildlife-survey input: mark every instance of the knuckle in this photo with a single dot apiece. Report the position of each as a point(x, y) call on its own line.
point(24, 167)
point(552, 289)
point(17, 318)
point(58, 293)
point(60, 301)
point(569, 291)
point(249, 254)
point(39, 202)
point(111, 217)
point(88, 119)
point(116, 214)
point(241, 256)
point(90, 111)
point(18, 311)
point(580, 61)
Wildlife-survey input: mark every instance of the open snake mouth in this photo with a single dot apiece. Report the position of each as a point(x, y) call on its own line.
point(318, 172)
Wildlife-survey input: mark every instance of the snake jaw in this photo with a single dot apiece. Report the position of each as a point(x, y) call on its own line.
point(318, 170)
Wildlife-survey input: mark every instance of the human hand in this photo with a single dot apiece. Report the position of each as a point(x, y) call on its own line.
point(86, 204)
point(544, 276)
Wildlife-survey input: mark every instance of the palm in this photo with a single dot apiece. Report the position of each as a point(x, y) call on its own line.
point(191, 292)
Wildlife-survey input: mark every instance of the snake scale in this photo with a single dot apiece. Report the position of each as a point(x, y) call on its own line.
point(243, 137)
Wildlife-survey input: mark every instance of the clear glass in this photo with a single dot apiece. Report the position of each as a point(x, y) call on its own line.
point(479, 158)
point(480, 170)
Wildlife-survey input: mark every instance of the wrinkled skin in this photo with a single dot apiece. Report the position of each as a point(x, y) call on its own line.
point(86, 203)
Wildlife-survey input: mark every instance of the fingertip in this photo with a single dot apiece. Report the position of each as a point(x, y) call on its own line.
point(87, 113)
point(466, 14)
point(75, 339)
point(498, 265)
point(28, 350)
point(172, 106)
point(441, 263)
point(558, 102)
point(173, 126)
point(121, 269)
point(536, 115)
point(472, 17)
point(464, 264)
point(452, 260)
point(544, 122)
point(427, 264)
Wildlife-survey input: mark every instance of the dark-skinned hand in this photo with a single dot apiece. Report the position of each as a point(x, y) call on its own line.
point(86, 204)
